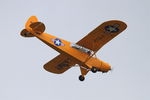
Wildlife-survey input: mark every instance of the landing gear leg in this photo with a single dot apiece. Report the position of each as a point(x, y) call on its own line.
point(81, 78)
point(84, 71)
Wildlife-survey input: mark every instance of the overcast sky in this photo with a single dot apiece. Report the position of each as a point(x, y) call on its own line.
point(22, 76)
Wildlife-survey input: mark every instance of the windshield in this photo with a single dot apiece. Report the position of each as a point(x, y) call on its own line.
point(82, 49)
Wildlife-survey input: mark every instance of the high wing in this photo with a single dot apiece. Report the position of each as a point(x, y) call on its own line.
point(102, 34)
point(59, 64)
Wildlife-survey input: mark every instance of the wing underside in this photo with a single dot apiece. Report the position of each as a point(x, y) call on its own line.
point(59, 64)
point(102, 34)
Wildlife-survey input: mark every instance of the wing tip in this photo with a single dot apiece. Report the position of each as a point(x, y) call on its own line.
point(116, 23)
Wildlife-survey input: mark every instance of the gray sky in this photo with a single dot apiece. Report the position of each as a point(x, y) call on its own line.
point(22, 59)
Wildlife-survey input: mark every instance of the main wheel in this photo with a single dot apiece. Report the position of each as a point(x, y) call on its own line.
point(94, 69)
point(81, 78)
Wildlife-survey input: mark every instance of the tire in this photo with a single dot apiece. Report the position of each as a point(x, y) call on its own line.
point(81, 78)
point(94, 69)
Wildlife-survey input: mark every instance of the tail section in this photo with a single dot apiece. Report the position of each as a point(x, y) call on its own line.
point(32, 27)
point(31, 20)
point(26, 33)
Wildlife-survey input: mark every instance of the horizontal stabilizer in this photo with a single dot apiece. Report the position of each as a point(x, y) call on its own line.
point(26, 33)
point(37, 27)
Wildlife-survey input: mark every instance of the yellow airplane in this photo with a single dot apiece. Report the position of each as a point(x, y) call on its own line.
point(81, 53)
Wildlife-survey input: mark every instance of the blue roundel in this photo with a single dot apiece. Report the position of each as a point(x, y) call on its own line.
point(111, 28)
point(57, 42)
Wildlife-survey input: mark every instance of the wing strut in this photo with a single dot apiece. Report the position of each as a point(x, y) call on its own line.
point(90, 57)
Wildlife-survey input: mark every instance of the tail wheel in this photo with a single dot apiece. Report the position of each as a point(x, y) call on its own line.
point(94, 69)
point(81, 78)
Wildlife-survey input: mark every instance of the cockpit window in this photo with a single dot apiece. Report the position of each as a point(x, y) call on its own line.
point(82, 49)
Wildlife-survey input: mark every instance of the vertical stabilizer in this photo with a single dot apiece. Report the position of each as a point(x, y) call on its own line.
point(31, 20)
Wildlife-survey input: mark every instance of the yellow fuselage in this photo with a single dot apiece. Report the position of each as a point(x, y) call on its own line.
point(81, 58)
